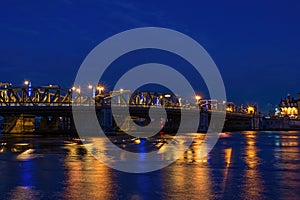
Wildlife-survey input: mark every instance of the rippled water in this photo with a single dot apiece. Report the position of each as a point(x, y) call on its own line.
point(245, 165)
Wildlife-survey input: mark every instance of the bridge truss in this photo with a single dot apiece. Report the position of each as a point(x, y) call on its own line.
point(56, 96)
point(35, 96)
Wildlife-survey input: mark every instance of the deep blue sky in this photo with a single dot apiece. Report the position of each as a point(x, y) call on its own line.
point(255, 44)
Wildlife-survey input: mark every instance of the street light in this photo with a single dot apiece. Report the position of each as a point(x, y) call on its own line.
point(93, 90)
point(251, 110)
point(197, 97)
point(100, 89)
point(26, 82)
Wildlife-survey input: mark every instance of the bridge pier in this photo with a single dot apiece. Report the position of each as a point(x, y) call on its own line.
point(105, 119)
point(56, 124)
point(49, 124)
point(23, 123)
point(203, 122)
point(31, 124)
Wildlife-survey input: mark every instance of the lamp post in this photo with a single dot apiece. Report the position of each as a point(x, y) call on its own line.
point(100, 89)
point(198, 98)
point(198, 101)
point(77, 90)
point(91, 87)
point(28, 84)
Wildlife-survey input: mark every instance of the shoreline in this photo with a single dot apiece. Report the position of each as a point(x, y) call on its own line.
point(122, 134)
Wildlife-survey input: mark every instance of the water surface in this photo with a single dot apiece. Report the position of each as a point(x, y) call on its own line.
point(245, 165)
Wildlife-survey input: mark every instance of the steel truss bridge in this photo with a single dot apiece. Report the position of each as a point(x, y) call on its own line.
point(20, 103)
point(56, 96)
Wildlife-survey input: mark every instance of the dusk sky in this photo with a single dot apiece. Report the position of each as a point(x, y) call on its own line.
point(255, 44)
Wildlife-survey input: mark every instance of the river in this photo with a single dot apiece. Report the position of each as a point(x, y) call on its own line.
point(244, 165)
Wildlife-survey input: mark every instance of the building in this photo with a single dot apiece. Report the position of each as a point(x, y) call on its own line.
point(289, 107)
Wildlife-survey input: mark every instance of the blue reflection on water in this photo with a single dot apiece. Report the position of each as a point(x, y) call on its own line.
point(26, 169)
point(247, 165)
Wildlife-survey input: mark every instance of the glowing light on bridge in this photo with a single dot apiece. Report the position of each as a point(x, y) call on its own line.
point(251, 110)
point(26, 82)
point(100, 88)
point(197, 97)
point(229, 109)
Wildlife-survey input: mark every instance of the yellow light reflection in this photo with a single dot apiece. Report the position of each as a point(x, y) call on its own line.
point(87, 178)
point(2, 147)
point(253, 178)
point(179, 180)
point(288, 141)
point(227, 157)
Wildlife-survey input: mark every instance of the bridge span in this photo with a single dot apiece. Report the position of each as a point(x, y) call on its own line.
point(48, 109)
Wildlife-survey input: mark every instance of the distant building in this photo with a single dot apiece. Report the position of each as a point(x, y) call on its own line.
point(289, 107)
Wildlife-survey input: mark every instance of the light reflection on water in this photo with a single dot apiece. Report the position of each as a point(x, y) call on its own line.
point(246, 165)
